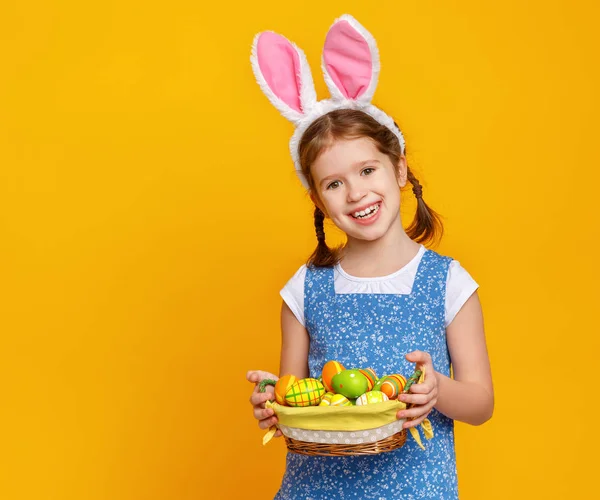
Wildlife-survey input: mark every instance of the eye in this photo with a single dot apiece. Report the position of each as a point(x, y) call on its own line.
point(333, 185)
point(369, 169)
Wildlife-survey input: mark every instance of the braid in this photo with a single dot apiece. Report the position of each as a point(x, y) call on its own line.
point(417, 188)
point(323, 256)
point(427, 224)
point(319, 227)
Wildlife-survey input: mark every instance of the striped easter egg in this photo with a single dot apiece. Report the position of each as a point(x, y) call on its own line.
point(340, 400)
point(330, 369)
point(326, 401)
point(371, 397)
point(392, 385)
point(283, 386)
point(305, 392)
point(369, 373)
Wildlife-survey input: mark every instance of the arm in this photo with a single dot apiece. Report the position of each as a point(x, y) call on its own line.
point(294, 360)
point(294, 345)
point(469, 397)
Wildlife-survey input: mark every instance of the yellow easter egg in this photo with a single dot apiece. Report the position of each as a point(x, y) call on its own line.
point(326, 401)
point(340, 400)
point(372, 397)
point(283, 386)
point(330, 369)
point(305, 392)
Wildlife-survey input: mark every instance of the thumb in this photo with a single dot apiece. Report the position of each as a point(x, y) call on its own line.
point(419, 357)
point(256, 376)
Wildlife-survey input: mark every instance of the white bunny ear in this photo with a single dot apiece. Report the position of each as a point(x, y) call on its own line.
point(283, 74)
point(350, 61)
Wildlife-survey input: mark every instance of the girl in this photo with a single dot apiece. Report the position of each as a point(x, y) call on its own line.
point(382, 300)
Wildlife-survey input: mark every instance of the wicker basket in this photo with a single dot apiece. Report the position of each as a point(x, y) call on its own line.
point(340, 431)
point(340, 450)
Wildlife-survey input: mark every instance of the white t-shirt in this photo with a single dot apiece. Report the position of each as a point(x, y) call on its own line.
point(459, 286)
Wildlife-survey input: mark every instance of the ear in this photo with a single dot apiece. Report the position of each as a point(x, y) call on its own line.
point(283, 74)
point(350, 60)
point(402, 171)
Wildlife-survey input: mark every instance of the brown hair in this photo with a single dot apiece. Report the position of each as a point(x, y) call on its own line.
point(351, 124)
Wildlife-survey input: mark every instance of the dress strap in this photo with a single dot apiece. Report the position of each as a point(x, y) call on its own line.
point(432, 272)
point(318, 289)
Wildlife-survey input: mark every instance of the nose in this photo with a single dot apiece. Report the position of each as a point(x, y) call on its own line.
point(356, 192)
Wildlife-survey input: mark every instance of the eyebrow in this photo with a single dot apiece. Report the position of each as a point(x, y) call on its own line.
point(358, 164)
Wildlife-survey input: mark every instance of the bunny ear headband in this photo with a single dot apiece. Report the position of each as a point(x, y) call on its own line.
point(350, 65)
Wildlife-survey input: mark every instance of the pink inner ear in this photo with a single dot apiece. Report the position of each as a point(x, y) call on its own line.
point(348, 60)
point(280, 66)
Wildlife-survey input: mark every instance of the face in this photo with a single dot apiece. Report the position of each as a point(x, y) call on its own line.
point(358, 188)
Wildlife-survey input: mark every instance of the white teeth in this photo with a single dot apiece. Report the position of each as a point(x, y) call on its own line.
point(367, 212)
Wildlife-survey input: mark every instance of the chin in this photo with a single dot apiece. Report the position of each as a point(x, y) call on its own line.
point(367, 235)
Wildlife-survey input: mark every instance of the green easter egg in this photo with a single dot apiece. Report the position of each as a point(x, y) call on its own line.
point(350, 383)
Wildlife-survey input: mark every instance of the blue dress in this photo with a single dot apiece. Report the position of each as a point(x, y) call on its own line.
point(377, 331)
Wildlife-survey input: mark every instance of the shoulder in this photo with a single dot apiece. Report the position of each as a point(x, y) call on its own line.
point(299, 274)
point(460, 285)
point(297, 280)
point(437, 258)
point(293, 293)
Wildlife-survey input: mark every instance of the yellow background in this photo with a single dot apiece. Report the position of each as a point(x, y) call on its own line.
point(150, 216)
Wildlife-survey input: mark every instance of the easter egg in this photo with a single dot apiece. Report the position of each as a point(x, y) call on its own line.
point(350, 383)
point(392, 385)
point(326, 401)
point(282, 386)
point(340, 400)
point(330, 369)
point(371, 397)
point(305, 392)
point(371, 377)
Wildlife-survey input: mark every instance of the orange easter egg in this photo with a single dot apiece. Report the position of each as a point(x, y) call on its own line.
point(330, 369)
point(371, 377)
point(393, 385)
point(282, 387)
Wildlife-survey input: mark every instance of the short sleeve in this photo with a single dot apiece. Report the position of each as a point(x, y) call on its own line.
point(459, 287)
point(293, 293)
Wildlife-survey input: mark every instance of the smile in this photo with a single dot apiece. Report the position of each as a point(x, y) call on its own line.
point(368, 212)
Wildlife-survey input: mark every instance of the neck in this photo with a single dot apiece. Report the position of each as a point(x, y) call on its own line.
point(379, 257)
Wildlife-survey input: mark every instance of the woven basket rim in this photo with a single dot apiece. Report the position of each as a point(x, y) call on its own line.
point(390, 443)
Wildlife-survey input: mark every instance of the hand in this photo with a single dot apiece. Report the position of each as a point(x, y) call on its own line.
point(422, 396)
point(264, 415)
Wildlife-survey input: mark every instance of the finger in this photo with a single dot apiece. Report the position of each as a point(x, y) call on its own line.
point(278, 434)
point(416, 411)
point(265, 424)
point(414, 423)
point(267, 388)
point(257, 376)
point(263, 413)
point(416, 399)
point(423, 388)
point(419, 357)
point(259, 398)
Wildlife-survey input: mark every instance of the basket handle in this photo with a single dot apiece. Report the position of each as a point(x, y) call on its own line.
point(262, 386)
point(413, 379)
